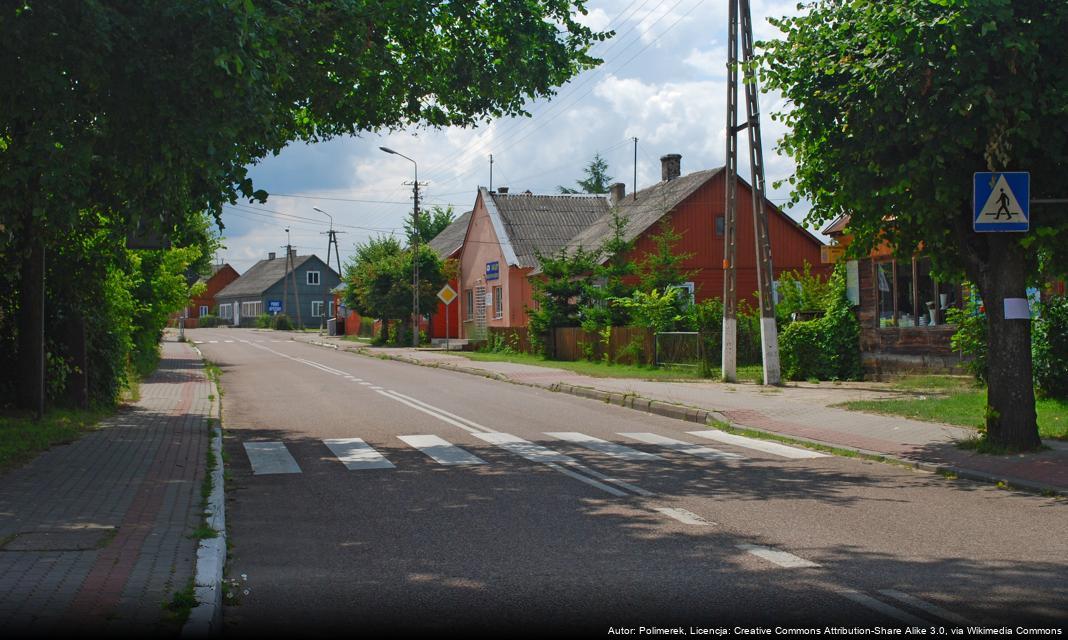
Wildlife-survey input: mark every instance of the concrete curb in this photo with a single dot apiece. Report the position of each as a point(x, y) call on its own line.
point(710, 418)
point(205, 619)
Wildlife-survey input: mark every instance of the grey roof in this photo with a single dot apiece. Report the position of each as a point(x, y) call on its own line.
point(451, 237)
point(536, 223)
point(262, 276)
point(643, 211)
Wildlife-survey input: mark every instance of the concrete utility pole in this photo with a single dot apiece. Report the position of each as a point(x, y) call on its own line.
point(769, 338)
point(291, 269)
point(415, 246)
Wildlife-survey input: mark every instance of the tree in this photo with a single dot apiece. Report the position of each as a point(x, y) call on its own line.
point(143, 113)
point(894, 105)
point(610, 280)
point(663, 267)
point(431, 223)
point(597, 179)
point(560, 293)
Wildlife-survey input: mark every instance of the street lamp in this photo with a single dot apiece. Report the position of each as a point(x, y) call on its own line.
point(415, 248)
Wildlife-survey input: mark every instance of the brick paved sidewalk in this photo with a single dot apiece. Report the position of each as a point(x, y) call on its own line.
point(800, 411)
point(95, 535)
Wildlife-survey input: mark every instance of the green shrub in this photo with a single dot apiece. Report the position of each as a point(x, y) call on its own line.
point(281, 322)
point(208, 321)
point(263, 321)
point(827, 348)
point(367, 327)
point(970, 338)
point(1049, 348)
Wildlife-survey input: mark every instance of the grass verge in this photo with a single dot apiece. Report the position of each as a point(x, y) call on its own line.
point(602, 370)
point(22, 437)
point(964, 407)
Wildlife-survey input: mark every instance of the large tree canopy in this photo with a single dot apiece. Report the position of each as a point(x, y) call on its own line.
point(894, 104)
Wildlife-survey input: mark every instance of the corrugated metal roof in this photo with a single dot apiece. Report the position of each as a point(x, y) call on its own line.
point(545, 224)
point(262, 276)
point(451, 237)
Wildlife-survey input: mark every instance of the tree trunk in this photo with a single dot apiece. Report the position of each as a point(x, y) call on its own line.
point(1011, 420)
point(31, 378)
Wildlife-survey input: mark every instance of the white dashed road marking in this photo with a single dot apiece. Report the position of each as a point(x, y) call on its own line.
point(922, 605)
point(442, 451)
point(865, 600)
point(684, 516)
point(781, 558)
point(596, 444)
point(523, 448)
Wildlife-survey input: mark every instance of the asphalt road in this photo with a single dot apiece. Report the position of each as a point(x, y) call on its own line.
point(504, 515)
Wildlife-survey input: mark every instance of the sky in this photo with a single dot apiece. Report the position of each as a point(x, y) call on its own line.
point(663, 81)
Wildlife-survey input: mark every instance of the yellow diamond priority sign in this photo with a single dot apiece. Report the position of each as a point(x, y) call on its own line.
point(447, 295)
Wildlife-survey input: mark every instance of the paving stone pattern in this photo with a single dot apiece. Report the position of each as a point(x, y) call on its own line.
point(95, 534)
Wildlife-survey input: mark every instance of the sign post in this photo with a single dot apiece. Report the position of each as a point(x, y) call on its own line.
point(1001, 201)
point(447, 295)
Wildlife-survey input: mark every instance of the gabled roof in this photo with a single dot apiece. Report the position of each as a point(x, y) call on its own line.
point(837, 226)
point(451, 238)
point(215, 269)
point(528, 224)
point(643, 211)
point(263, 275)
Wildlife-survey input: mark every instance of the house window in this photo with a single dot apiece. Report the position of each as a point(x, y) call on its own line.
point(498, 302)
point(720, 226)
point(908, 295)
point(317, 308)
point(689, 287)
point(251, 309)
point(469, 303)
point(226, 311)
point(203, 310)
point(330, 310)
point(313, 277)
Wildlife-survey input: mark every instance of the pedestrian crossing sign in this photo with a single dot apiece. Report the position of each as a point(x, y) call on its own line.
point(1002, 201)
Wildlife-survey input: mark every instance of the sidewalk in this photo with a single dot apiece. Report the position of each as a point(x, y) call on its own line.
point(801, 412)
point(94, 535)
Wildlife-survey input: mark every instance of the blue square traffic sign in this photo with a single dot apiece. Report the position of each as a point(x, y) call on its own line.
point(1001, 201)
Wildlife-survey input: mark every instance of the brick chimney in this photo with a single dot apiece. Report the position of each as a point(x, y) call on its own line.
point(502, 190)
point(617, 192)
point(270, 256)
point(670, 166)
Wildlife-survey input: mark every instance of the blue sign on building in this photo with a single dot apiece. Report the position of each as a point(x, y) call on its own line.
point(1002, 201)
point(274, 306)
point(493, 270)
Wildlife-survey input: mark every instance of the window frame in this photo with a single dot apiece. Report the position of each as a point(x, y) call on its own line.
point(308, 277)
point(498, 302)
point(317, 306)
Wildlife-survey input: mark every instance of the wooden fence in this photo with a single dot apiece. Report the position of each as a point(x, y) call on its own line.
point(626, 345)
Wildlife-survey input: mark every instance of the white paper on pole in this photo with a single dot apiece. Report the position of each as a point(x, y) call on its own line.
point(1017, 309)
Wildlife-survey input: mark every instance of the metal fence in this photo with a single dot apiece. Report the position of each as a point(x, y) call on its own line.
point(678, 348)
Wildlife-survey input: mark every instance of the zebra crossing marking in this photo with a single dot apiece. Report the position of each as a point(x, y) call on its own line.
point(774, 448)
point(603, 446)
point(269, 458)
point(781, 558)
point(523, 448)
point(707, 453)
point(356, 454)
point(441, 450)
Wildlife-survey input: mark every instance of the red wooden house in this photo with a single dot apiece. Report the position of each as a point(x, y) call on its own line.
point(204, 304)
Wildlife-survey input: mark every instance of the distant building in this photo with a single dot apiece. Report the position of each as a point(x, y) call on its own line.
point(204, 304)
point(304, 297)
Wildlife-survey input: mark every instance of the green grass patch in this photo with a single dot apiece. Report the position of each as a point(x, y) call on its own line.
point(22, 437)
point(602, 370)
point(181, 604)
point(935, 382)
point(964, 407)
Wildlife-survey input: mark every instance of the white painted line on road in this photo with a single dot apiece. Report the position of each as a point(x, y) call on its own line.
point(442, 451)
point(684, 516)
point(774, 448)
point(269, 458)
point(320, 367)
point(445, 419)
point(228, 341)
point(781, 558)
point(524, 448)
point(374, 388)
point(865, 600)
point(444, 412)
point(213, 342)
point(366, 384)
point(619, 483)
point(357, 454)
point(277, 341)
point(707, 453)
point(603, 446)
point(582, 478)
point(923, 605)
point(198, 342)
